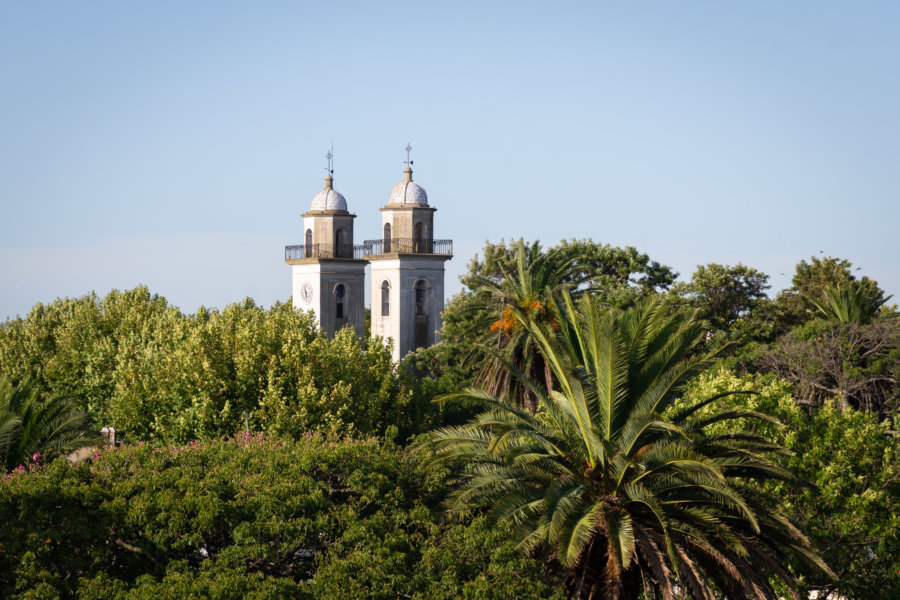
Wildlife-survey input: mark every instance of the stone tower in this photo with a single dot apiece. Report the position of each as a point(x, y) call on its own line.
point(328, 271)
point(407, 274)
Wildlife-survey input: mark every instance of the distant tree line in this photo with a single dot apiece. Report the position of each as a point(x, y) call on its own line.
point(832, 335)
point(156, 374)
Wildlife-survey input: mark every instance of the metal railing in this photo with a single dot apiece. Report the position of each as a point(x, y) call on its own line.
point(325, 251)
point(408, 246)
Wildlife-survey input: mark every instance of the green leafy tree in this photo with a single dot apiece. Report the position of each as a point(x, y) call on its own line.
point(33, 428)
point(723, 293)
point(466, 354)
point(619, 275)
point(616, 478)
point(852, 515)
point(845, 364)
point(798, 304)
point(154, 373)
point(253, 517)
point(831, 335)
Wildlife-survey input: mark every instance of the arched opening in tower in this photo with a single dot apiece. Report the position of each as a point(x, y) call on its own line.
point(339, 243)
point(421, 327)
point(385, 299)
point(420, 238)
point(339, 294)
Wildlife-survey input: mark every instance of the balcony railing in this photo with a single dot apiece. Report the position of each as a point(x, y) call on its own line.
point(408, 246)
point(325, 251)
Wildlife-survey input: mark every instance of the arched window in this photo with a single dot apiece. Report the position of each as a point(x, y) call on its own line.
point(421, 298)
point(385, 298)
point(420, 330)
point(339, 243)
point(420, 239)
point(387, 238)
point(308, 249)
point(339, 301)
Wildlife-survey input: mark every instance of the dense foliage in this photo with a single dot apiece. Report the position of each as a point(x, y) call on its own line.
point(846, 364)
point(853, 512)
point(617, 478)
point(35, 428)
point(255, 517)
point(331, 517)
point(723, 294)
point(831, 336)
point(140, 365)
point(523, 276)
point(618, 275)
point(811, 281)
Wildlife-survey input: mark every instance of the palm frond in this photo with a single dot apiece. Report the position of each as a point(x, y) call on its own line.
point(605, 475)
point(31, 424)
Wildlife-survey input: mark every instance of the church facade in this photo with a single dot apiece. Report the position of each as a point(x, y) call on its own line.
point(407, 268)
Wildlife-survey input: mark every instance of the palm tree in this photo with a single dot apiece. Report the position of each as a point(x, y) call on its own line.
point(619, 482)
point(851, 303)
point(517, 295)
point(31, 427)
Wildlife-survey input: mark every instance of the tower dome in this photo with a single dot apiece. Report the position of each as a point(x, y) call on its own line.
point(328, 198)
point(408, 192)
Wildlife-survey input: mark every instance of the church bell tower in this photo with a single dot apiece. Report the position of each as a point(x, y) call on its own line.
point(327, 270)
point(407, 273)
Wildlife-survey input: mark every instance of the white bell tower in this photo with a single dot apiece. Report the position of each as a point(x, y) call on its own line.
point(328, 271)
point(407, 274)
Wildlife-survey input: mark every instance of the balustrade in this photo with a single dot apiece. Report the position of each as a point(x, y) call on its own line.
point(324, 251)
point(408, 246)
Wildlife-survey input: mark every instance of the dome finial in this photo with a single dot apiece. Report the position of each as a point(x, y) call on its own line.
point(329, 179)
point(329, 198)
point(408, 170)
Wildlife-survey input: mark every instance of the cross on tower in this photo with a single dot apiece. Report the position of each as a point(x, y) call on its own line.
point(408, 149)
point(330, 156)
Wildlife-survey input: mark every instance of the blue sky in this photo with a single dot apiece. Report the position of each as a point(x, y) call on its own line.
point(177, 144)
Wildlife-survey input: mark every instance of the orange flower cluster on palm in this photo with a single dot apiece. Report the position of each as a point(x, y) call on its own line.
point(506, 323)
point(509, 322)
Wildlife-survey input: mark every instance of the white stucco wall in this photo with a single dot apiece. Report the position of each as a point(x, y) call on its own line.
point(402, 273)
point(324, 276)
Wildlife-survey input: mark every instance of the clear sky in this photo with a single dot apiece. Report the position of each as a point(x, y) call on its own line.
point(176, 144)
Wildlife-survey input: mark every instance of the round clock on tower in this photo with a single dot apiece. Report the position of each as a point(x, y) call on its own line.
point(327, 277)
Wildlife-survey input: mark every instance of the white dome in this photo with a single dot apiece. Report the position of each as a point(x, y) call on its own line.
point(408, 192)
point(328, 198)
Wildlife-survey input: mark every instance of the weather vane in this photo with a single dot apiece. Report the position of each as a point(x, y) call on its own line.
point(330, 156)
point(408, 149)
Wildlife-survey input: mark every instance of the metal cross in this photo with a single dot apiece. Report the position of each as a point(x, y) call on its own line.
point(330, 156)
point(408, 150)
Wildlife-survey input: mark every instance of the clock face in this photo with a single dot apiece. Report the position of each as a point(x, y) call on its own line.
point(306, 292)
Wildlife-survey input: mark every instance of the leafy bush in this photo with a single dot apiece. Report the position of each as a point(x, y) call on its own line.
point(142, 366)
point(853, 512)
point(249, 518)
